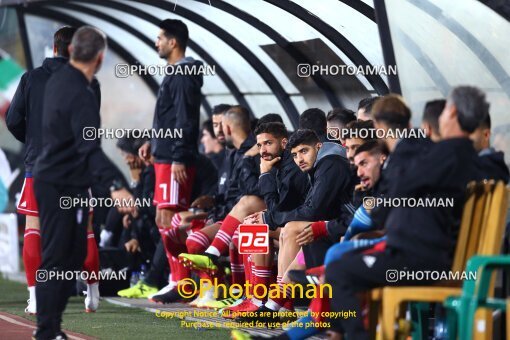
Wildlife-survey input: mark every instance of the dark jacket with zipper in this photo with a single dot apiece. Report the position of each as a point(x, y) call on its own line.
point(406, 150)
point(284, 187)
point(178, 108)
point(229, 189)
point(24, 116)
point(67, 158)
point(329, 180)
point(441, 173)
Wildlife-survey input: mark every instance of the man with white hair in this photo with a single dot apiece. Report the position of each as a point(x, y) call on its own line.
point(66, 167)
point(418, 238)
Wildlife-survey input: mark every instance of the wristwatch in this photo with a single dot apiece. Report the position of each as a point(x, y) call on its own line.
point(116, 185)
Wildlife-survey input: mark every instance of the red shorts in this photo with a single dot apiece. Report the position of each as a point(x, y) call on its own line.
point(27, 204)
point(168, 193)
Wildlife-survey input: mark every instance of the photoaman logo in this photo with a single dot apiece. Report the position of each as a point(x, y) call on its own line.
point(253, 239)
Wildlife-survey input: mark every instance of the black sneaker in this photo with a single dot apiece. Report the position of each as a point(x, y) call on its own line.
point(61, 336)
point(264, 315)
point(301, 277)
point(169, 297)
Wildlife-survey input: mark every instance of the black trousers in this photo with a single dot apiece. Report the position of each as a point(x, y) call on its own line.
point(361, 270)
point(315, 252)
point(158, 272)
point(64, 248)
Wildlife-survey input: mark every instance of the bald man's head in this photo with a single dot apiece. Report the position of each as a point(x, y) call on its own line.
point(239, 116)
point(236, 121)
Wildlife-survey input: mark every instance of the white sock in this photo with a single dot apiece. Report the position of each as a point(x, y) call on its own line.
point(257, 302)
point(206, 295)
point(209, 294)
point(171, 281)
point(93, 289)
point(273, 305)
point(104, 237)
point(31, 293)
point(213, 251)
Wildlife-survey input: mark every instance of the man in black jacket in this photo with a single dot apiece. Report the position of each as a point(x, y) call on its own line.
point(284, 188)
point(418, 238)
point(281, 182)
point(177, 107)
point(393, 116)
point(235, 184)
point(66, 167)
point(175, 237)
point(144, 237)
point(212, 147)
point(315, 120)
point(241, 196)
point(325, 193)
point(24, 121)
point(328, 196)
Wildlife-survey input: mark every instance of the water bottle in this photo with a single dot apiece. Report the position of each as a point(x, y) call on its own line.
point(440, 324)
point(440, 329)
point(135, 276)
point(143, 271)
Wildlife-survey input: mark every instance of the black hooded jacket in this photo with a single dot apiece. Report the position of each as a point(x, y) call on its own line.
point(24, 116)
point(330, 180)
point(178, 108)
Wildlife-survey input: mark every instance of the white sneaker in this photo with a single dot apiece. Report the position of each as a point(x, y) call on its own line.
point(32, 307)
point(205, 300)
point(202, 301)
point(195, 302)
point(163, 290)
point(92, 299)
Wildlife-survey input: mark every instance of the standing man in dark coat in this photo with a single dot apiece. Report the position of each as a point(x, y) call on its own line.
point(66, 167)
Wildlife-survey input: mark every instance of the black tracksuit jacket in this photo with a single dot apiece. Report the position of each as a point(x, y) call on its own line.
point(24, 116)
point(330, 180)
point(284, 187)
point(178, 107)
point(66, 157)
point(442, 172)
point(205, 179)
point(234, 171)
point(406, 150)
